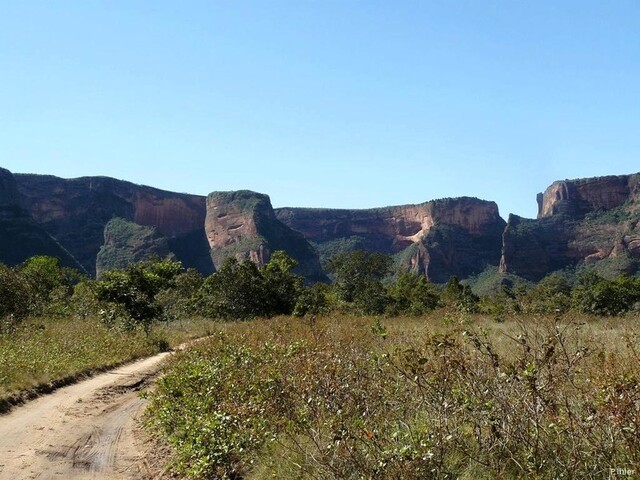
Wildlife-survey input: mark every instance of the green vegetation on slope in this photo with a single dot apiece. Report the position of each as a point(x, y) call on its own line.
point(127, 243)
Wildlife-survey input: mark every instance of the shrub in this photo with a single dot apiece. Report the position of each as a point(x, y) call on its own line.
point(128, 297)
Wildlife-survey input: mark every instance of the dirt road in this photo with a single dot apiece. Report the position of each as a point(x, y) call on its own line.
point(86, 430)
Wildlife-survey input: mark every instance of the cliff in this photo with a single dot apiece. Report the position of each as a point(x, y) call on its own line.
point(20, 236)
point(242, 224)
point(589, 222)
point(440, 238)
point(576, 198)
point(592, 223)
point(76, 211)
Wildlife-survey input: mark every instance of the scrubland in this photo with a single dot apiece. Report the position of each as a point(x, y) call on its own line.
point(447, 395)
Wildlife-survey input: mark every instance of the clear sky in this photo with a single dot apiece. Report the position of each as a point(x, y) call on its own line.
point(324, 103)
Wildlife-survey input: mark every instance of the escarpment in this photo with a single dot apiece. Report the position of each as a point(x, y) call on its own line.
point(576, 198)
point(440, 238)
point(127, 242)
point(590, 222)
point(583, 223)
point(20, 235)
point(76, 211)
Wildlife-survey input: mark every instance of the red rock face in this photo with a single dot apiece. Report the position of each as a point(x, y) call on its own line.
point(579, 222)
point(172, 216)
point(228, 223)
point(576, 197)
point(449, 237)
point(405, 224)
point(242, 225)
point(75, 211)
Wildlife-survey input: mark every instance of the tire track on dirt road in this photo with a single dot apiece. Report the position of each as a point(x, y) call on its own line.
point(82, 431)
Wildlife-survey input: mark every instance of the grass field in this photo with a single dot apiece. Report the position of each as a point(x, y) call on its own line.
point(445, 396)
point(39, 351)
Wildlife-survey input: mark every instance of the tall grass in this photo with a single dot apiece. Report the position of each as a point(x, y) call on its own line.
point(38, 351)
point(438, 397)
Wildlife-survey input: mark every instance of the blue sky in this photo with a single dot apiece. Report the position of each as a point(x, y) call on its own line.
point(324, 103)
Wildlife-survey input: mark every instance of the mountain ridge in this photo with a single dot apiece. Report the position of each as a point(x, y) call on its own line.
point(580, 222)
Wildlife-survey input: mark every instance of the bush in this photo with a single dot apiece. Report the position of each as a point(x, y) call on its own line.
point(412, 294)
point(606, 297)
point(14, 294)
point(128, 297)
point(240, 291)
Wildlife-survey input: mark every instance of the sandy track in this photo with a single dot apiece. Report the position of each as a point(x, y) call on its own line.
point(86, 430)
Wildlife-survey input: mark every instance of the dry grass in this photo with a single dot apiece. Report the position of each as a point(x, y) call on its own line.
point(445, 396)
point(39, 351)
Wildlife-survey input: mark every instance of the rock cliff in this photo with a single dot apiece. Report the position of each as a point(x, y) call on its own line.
point(440, 238)
point(587, 195)
point(242, 224)
point(592, 222)
point(76, 211)
point(20, 236)
point(589, 222)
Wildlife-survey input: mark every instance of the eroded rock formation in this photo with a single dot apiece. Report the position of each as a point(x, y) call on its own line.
point(590, 222)
point(458, 236)
point(75, 212)
point(594, 221)
point(127, 242)
point(20, 236)
point(243, 225)
point(587, 195)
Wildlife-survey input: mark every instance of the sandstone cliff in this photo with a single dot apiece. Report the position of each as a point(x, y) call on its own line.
point(243, 225)
point(586, 222)
point(441, 238)
point(76, 211)
point(588, 195)
point(589, 222)
point(20, 236)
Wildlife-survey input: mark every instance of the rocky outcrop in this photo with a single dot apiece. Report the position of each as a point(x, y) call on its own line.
point(127, 242)
point(589, 222)
point(441, 238)
point(76, 211)
point(576, 198)
point(20, 236)
point(243, 225)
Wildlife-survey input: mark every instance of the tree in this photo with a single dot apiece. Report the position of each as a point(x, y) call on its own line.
point(412, 294)
point(460, 296)
point(235, 292)
point(551, 294)
point(358, 279)
point(312, 300)
point(50, 285)
point(283, 287)
point(129, 295)
point(606, 297)
point(242, 290)
point(14, 294)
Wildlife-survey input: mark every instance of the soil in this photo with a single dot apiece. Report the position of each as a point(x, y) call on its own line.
point(89, 430)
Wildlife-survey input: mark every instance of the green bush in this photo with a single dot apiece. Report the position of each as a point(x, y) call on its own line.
point(128, 297)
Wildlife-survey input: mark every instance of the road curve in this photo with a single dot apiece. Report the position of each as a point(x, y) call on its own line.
point(83, 431)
